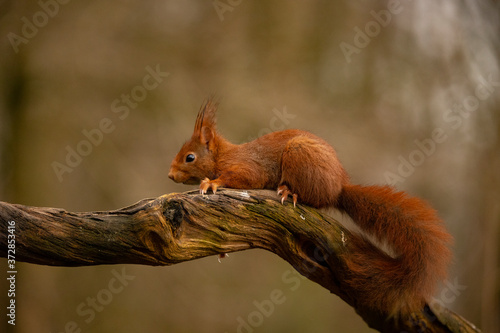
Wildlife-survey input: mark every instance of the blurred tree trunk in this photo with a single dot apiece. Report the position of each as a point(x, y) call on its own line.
point(490, 226)
point(11, 112)
point(12, 108)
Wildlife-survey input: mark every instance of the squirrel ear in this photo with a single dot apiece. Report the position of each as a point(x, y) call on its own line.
point(207, 137)
point(206, 116)
point(204, 127)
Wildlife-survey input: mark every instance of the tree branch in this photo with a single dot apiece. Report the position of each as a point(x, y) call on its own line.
point(184, 226)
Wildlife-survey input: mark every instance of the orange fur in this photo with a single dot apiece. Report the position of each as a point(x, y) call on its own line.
point(401, 283)
point(303, 165)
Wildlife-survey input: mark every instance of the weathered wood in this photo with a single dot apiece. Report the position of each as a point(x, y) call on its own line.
point(184, 226)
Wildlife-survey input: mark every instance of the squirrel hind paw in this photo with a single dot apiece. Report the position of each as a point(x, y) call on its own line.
point(285, 192)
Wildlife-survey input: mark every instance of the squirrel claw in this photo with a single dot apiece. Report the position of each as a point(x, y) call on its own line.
point(207, 184)
point(285, 193)
point(222, 256)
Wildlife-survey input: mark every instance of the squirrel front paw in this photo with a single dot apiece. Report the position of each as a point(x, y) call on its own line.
point(207, 184)
point(284, 191)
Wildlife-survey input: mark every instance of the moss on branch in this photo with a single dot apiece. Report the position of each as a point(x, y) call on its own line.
point(184, 226)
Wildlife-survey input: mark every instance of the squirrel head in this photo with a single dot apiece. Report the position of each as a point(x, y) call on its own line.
point(196, 159)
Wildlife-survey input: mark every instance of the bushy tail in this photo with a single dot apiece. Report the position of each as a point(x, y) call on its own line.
point(402, 282)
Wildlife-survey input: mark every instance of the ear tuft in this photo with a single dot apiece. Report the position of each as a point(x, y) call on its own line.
point(206, 116)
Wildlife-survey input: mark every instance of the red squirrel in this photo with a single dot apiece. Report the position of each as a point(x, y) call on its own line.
point(299, 164)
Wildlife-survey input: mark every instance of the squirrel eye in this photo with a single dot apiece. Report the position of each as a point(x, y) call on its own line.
point(190, 158)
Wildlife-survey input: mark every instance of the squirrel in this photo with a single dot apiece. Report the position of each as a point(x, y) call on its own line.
point(300, 164)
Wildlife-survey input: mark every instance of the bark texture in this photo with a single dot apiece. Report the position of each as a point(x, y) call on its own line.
point(184, 226)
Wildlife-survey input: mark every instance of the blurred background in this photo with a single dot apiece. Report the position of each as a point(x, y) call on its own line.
point(96, 98)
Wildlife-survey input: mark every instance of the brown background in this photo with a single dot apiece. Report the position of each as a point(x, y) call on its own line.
point(402, 84)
